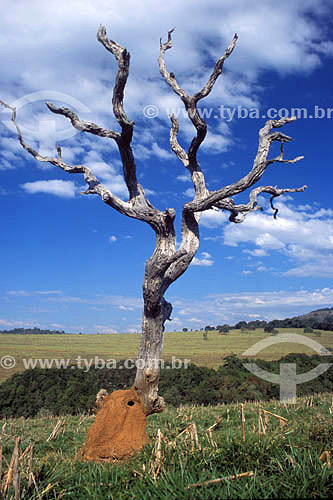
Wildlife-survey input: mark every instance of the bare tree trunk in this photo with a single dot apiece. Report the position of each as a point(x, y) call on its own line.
point(164, 267)
point(148, 364)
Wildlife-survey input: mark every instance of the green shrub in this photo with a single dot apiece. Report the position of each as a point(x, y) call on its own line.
point(73, 391)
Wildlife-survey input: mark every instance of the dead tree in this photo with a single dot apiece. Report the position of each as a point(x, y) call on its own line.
point(167, 263)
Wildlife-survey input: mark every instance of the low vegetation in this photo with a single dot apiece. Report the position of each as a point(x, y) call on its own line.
point(73, 390)
point(278, 451)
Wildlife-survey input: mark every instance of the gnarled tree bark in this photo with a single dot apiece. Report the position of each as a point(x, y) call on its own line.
point(167, 263)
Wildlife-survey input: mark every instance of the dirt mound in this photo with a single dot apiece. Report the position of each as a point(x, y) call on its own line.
point(119, 429)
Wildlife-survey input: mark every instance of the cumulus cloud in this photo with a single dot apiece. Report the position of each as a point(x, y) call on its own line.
point(108, 173)
point(257, 252)
point(233, 307)
point(213, 218)
point(82, 69)
point(205, 260)
point(29, 293)
point(183, 178)
point(63, 189)
point(304, 236)
point(194, 312)
point(189, 193)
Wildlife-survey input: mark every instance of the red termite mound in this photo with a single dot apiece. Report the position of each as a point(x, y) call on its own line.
point(119, 429)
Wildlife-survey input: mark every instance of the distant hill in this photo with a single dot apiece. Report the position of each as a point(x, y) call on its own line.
point(320, 314)
point(321, 319)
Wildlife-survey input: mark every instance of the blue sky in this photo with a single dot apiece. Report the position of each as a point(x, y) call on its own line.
point(71, 262)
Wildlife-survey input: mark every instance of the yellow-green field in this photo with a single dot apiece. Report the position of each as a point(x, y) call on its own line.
point(190, 345)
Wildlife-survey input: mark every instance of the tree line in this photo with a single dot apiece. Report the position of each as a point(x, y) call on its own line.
point(73, 391)
point(33, 331)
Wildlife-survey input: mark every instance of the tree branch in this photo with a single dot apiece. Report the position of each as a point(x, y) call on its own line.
point(123, 60)
point(266, 138)
point(205, 91)
point(253, 205)
point(174, 144)
point(94, 185)
point(170, 77)
point(190, 102)
point(124, 142)
point(222, 198)
point(81, 125)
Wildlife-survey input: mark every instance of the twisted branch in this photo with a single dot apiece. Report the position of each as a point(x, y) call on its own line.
point(253, 204)
point(82, 125)
point(174, 144)
point(190, 102)
point(123, 60)
point(266, 138)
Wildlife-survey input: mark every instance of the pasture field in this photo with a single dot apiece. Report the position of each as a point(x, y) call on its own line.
point(190, 345)
point(291, 456)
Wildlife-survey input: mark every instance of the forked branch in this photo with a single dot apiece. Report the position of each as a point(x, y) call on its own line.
point(190, 159)
point(205, 91)
point(261, 162)
point(239, 212)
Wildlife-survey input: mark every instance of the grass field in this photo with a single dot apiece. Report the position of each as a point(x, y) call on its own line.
point(289, 458)
point(189, 345)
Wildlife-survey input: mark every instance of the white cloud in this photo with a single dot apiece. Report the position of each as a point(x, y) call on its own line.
point(63, 189)
point(112, 239)
point(205, 260)
point(78, 63)
point(107, 174)
point(27, 293)
point(233, 307)
point(162, 153)
point(268, 241)
point(213, 218)
point(257, 252)
point(104, 329)
point(189, 193)
point(119, 300)
point(4, 323)
point(143, 152)
point(184, 178)
point(305, 237)
point(262, 269)
point(126, 308)
point(322, 268)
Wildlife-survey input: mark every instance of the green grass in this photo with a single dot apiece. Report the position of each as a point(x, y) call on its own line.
point(125, 346)
point(285, 461)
